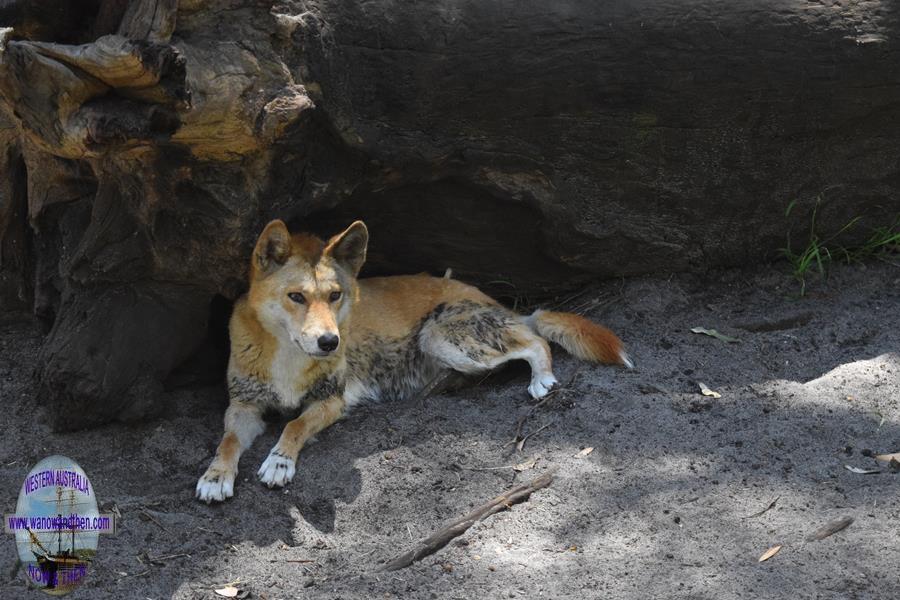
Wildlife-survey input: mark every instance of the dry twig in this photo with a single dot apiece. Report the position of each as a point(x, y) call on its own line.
point(521, 443)
point(153, 519)
point(765, 510)
point(440, 538)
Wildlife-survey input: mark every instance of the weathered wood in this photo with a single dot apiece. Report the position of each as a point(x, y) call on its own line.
point(116, 61)
point(531, 146)
point(619, 137)
point(107, 122)
point(167, 319)
point(56, 92)
point(15, 236)
point(442, 537)
point(152, 20)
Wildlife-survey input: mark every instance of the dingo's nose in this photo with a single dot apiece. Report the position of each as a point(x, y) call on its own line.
point(328, 342)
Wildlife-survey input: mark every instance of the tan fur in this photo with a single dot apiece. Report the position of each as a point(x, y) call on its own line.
point(580, 337)
point(251, 344)
point(311, 422)
point(229, 448)
point(308, 335)
point(393, 305)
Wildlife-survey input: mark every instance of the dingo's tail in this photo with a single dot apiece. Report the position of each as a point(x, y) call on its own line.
point(580, 337)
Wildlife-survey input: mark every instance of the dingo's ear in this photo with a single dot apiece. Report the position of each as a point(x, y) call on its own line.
point(273, 247)
point(349, 246)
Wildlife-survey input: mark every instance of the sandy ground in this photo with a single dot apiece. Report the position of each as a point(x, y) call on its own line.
point(661, 508)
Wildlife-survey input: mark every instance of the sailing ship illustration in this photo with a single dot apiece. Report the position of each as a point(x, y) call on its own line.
point(61, 570)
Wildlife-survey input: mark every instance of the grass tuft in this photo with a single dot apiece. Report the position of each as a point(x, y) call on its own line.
point(818, 252)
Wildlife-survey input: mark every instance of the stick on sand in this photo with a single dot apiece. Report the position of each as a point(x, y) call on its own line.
point(440, 538)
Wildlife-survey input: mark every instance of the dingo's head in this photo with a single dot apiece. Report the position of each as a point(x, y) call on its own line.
point(302, 288)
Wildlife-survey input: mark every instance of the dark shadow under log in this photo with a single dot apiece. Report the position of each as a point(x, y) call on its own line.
point(451, 224)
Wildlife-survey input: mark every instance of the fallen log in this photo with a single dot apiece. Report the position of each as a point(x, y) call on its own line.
point(533, 150)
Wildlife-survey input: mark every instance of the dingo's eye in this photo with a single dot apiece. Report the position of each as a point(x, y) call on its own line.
point(334, 296)
point(297, 297)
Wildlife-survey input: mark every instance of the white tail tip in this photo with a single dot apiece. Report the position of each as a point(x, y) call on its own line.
point(626, 360)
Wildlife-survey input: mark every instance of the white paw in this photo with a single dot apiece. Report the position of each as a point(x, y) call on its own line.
point(277, 469)
point(541, 385)
point(215, 485)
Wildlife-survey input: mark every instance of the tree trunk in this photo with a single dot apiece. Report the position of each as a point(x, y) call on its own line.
point(531, 146)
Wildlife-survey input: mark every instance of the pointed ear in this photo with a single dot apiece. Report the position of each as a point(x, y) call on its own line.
point(273, 247)
point(349, 247)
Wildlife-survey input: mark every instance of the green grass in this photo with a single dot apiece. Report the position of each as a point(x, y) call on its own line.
point(882, 240)
point(818, 252)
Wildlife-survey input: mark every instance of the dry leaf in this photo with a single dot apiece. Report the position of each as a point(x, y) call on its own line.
point(708, 392)
point(586, 451)
point(888, 457)
point(859, 471)
point(829, 529)
point(769, 553)
point(715, 334)
point(229, 591)
point(524, 466)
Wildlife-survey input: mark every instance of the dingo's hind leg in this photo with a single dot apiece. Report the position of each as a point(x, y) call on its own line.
point(471, 338)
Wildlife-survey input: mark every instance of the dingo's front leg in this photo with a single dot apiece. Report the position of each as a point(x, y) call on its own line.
point(243, 422)
point(279, 467)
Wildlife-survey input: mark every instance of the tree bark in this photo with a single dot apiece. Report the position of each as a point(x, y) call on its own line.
point(530, 146)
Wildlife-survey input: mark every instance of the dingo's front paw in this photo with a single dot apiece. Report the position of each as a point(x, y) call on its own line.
point(277, 470)
point(541, 385)
point(216, 485)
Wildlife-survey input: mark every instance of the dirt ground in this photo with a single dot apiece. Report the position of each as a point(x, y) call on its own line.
point(665, 506)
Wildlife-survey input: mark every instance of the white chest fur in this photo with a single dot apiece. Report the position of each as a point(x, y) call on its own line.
point(286, 375)
point(293, 374)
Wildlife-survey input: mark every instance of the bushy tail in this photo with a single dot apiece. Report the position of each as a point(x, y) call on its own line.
point(580, 337)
